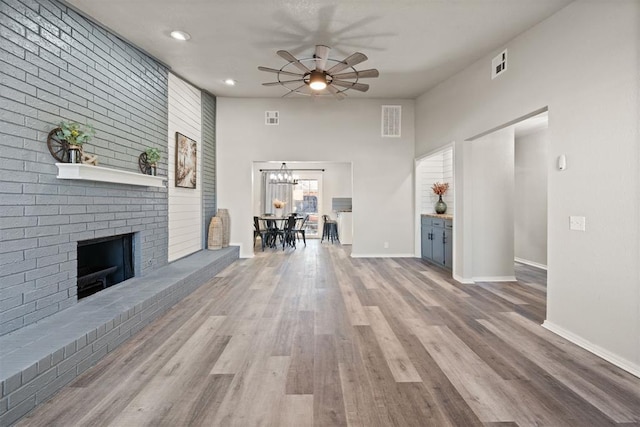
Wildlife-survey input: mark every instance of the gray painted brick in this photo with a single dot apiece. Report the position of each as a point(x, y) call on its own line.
point(17, 412)
point(44, 364)
point(26, 391)
point(11, 384)
point(29, 373)
point(57, 357)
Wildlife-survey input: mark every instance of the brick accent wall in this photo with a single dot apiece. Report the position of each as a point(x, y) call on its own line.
point(209, 202)
point(55, 64)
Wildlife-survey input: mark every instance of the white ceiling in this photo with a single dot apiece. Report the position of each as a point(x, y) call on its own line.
point(415, 44)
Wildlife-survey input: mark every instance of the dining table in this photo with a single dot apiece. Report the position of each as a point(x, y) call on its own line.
point(278, 223)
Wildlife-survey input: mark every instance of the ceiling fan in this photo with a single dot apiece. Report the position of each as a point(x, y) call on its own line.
point(321, 75)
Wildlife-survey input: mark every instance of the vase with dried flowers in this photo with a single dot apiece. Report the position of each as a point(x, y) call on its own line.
point(440, 188)
point(278, 205)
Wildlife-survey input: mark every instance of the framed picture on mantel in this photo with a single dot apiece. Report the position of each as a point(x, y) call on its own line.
point(186, 161)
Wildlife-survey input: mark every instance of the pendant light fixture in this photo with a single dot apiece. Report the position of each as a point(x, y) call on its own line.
point(283, 176)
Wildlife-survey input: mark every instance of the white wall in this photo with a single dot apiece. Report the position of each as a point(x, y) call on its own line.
point(582, 63)
point(185, 205)
point(530, 197)
point(323, 130)
point(492, 192)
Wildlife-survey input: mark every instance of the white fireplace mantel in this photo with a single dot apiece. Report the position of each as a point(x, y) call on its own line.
point(98, 173)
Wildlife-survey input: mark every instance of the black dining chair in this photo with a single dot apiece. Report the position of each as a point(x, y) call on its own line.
point(287, 234)
point(301, 228)
point(260, 232)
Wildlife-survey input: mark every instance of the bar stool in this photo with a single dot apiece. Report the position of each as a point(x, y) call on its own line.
point(329, 229)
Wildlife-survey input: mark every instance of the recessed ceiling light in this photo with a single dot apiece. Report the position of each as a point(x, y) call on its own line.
point(230, 82)
point(180, 35)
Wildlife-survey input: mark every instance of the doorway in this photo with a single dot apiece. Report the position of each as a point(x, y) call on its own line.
point(307, 199)
point(507, 182)
point(435, 167)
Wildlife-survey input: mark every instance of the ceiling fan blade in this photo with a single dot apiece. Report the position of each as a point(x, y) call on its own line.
point(289, 57)
point(321, 55)
point(339, 95)
point(349, 61)
point(282, 82)
point(273, 70)
point(293, 91)
point(364, 74)
point(362, 87)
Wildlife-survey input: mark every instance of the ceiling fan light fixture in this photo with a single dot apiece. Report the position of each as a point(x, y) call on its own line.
point(317, 80)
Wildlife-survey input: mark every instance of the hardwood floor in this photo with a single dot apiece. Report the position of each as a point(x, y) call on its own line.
point(314, 337)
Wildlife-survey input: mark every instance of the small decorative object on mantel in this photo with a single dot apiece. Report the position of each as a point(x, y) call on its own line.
point(440, 188)
point(223, 214)
point(65, 143)
point(278, 205)
point(148, 161)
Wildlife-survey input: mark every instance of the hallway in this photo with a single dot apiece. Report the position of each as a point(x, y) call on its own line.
point(314, 337)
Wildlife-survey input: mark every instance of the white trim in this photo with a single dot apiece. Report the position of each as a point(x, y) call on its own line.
point(382, 255)
point(620, 362)
point(530, 263)
point(463, 280)
point(495, 279)
point(101, 174)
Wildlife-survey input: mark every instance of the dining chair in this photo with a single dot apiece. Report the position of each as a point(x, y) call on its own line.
point(258, 231)
point(287, 234)
point(301, 229)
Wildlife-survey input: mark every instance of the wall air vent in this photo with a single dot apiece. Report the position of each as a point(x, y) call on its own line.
point(271, 118)
point(391, 121)
point(499, 64)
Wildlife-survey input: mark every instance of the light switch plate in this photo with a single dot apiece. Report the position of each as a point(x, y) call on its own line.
point(577, 223)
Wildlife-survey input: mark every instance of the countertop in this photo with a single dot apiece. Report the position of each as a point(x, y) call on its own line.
point(441, 216)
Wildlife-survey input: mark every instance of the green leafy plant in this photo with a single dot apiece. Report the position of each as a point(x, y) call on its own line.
point(153, 155)
point(75, 133)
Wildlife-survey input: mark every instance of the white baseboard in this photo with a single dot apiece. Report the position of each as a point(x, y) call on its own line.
point(382, 255)
point(463, 280)
point(495, 279)
point(620, 362)
point(531, 263)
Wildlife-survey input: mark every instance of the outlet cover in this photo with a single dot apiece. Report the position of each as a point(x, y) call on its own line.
point(577, 223)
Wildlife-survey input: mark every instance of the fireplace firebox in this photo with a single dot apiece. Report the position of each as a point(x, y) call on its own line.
point(104, 262)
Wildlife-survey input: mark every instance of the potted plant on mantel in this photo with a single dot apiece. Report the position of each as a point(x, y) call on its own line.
point(153, 157)
point(75, 134)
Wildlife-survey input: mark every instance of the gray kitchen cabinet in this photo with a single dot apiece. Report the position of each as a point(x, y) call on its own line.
point(427, 248)
point(437, 241)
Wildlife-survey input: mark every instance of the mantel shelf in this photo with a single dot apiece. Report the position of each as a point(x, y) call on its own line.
point(98, 173)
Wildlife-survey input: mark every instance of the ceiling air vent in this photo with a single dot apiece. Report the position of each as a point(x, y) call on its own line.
point(499, 64)
point(271, 118)
point(391, 121)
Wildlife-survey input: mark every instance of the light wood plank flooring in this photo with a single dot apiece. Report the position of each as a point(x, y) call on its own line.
point(313, 337)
